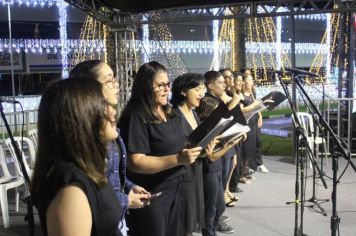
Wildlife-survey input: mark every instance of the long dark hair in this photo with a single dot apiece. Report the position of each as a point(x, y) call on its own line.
point(183, 83)
point(142, 97)
point(88, 69)
point(70, 118)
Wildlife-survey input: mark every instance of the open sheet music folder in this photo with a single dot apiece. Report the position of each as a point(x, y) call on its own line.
point(231, 135)
point(219, 127)
point(202, 134)
point(269, 102)
point(219, 121)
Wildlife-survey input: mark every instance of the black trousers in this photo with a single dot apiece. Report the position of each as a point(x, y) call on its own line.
point(236, 174)
point(258, 147)
point(226, 162)
point(213, 202)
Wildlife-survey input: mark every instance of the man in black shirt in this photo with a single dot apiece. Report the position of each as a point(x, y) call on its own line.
point(212, 171)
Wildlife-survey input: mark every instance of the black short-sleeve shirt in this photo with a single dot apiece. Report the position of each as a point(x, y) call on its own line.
point(165, 138)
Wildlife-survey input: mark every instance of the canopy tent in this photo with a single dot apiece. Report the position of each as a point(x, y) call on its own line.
point(136, 12)
point(140, 6)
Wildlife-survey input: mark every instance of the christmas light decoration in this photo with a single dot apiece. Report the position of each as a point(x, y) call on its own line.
point(227, 59)
point(62, 8)
point(50, 45)
point(300, 48)
point(216, 61)
point(91, 31)
point(145, 42)
point(278, 42)
point(185, 47)
point(33, 3)
point(328, 43)
point(169, 58)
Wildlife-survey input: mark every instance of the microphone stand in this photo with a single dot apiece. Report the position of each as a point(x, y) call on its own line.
point(301, 143)
point(317, 123)
point(29, 217)
point(313, 198)
point(338, 150)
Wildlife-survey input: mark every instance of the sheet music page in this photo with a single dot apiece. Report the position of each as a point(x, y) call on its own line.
point(219, 127)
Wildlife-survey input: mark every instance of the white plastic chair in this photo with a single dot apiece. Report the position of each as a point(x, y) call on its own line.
point(8, 181)
point(306, 121)
point(31, 150)
point(33, 134)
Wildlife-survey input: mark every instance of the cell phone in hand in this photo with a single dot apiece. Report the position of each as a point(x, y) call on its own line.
point(155, 195)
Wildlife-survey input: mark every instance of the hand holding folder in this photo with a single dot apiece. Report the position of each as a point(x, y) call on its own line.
point(273, 99)
point(219, 121)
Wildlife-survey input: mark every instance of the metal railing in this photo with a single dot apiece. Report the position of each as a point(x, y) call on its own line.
point(341, 116)
point(17, 120)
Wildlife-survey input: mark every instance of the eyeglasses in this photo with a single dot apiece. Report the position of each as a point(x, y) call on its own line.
point(228, 76)
point(162, 86)
point(111, 83)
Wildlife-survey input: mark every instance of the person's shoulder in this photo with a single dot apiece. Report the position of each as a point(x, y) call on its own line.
point(66, 173)
point(69, 210)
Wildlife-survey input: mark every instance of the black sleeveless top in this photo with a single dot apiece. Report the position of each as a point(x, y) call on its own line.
point(104, 206)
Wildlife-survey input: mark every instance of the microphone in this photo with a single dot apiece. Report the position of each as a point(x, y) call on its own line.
point(303, 80)
point(302, 72)
point(8, 100)
point(280, 72)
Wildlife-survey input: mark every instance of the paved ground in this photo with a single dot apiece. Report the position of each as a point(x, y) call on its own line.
point(262, 208)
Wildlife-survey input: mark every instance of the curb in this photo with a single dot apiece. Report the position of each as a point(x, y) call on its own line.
point(276, 116)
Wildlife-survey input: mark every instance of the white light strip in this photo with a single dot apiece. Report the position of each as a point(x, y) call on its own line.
point(145, 41)
point(33, 3)
point(216, 61)
point(278, 42)
point(156, 47)
point(328, 44)
point(62, 8)
point(185, 47)
point(300, 48)
point(50, 45)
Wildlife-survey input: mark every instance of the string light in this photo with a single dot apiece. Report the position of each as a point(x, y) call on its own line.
point(228, 35)
point(145, 42)
point(32, 3)
point(169, 58)
point(92, 31)
point(50, 45)
point(328, 43)
point(216, 61)
point(62, 8)
point(300, 48)
point(184, 47)
point(279, 42)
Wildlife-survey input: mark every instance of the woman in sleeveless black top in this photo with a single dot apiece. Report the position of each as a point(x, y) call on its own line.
point(187, 91)
point(69, 185)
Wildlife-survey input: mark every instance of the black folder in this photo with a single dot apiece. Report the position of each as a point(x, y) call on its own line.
point(208, 124)
point(238, 116)
point(277, 98)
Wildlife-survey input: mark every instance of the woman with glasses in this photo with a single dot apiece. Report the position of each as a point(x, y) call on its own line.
point(128, 194)
point(157, 155)
point(69, 185)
